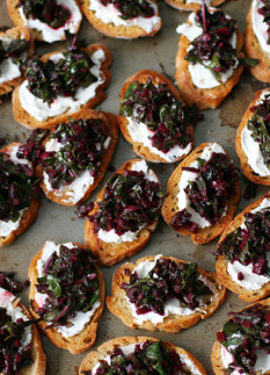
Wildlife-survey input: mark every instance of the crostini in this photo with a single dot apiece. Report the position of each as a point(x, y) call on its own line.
point(193, 4)
point(121, 19)
point(76, 155)
point(153, 118)
point(67, 291)
point(48, 20)
point(14, 43)
point(257, 39)
point(125, 213)
point(164, 293)
point(20, 346)
point(242, 263)
point(20, 195)
point(61, 84)
point(208, 61)
point(143, 353)
point(242, 345)
point(202, 194)
point(253, 138)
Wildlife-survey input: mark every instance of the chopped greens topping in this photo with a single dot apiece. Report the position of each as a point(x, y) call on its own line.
point(244, 334)
point(213, 48)
point(209, 193)
point(17, 188)
point(250, 243)
point(15, 49)
point(165, 281)
point(7, 282)
point(32, 148)
point(259, 125)
point(130, 202)
point(265, 12)
point(70, 283)
point(131, 8)
point(48, 11)
point(83, 143)
point(156, 107)
point(148, 358)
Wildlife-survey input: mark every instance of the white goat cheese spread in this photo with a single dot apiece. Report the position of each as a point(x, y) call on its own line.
point(81, 318)
point(251, 280)
point(111, 235)
point(110, 14)
point(49, 34)
point(182, 198)
point(41, 110)
point(259, 27)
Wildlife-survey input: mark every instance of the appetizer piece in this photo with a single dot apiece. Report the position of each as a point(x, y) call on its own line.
point(76, 155)
point(164, 293)
point(60, 84)
point(20, 346)
point(257, 38)
point(193, 4)
point(126, 210)
point(253, 139)
point(153, 118)
point(202, 194)
point(67, 291)
point(208, 62)
point(127, 19)
point(243, 252)
point(47, 19)
point(242, 345)
point(19, 194)
point(14, 43)
point(144, 355)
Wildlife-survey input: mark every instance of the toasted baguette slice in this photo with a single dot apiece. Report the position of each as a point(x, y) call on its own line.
point(169, 208)
point(139, 148)
point(121, 31)
point(247, 295)
point(38, 367)
point(106, 348)
point(216, 360)
point(181, 4)
point(119, 306)
point(109, 253)
point(14, 13)
point(203, 98)
point(246, 169)
point(80, 342)
point(19, 32)
point(28, 216)
point(24, 118)
point(63, 196)
point(253, 50)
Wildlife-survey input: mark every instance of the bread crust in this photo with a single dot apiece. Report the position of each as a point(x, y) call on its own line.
point(118, 305)
point(203, 98)
point(82, 341)
point(246, 169)
point(106, 348)
point(169, 208)
point(16, 33)
point(247, 295)
point(24, 118)
point(63, 198)
point(16, 18)
point(179, 4)
point(109, 29)
point(253, 50)
point(139, 148)
point(216, 357)
point(110, 253)
point(28, 216)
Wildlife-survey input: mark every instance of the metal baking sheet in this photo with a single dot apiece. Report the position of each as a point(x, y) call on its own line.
point(60, 224)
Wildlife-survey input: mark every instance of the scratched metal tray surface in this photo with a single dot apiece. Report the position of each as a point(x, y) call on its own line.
point(60, 224)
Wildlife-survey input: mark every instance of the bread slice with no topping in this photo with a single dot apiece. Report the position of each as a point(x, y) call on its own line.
point(182, 5)
point(82, 341)
point(119, 306)
point(170, 206)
